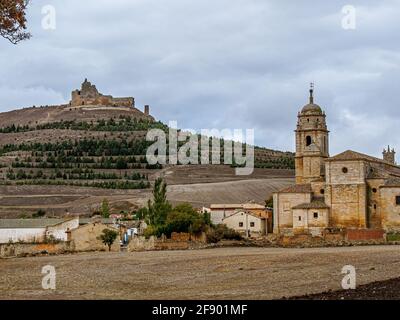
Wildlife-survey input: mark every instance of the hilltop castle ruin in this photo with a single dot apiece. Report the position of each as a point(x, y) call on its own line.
point(89, 95)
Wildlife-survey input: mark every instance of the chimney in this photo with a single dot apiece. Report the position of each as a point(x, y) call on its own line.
point(147, 110)
point(389, 155)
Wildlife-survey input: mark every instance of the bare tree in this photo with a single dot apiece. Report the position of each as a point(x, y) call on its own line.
point(13, 20)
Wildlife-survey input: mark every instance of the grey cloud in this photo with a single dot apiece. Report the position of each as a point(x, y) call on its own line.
point(235, 64)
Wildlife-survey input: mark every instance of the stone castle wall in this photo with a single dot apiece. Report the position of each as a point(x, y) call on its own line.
point(89, 95)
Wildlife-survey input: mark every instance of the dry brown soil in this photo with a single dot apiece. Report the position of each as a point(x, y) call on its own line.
point(225, 273)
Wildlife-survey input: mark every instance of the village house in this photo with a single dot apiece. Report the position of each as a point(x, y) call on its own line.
point(218, 212)
point(36, 230)
point(86, 237)
point(246, 223)
point(348, 191)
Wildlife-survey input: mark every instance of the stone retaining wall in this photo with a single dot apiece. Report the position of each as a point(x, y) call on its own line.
point(178, 241)
point(25, 249)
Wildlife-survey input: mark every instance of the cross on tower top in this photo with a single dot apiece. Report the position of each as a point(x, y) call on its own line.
point(311, 92)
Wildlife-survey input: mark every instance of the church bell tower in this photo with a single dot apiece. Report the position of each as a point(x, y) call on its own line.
point(312, 142)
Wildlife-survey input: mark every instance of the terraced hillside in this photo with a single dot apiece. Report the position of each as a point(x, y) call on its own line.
point(66, 160)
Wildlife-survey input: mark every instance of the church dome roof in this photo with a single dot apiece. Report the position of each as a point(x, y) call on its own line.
point(311, 107)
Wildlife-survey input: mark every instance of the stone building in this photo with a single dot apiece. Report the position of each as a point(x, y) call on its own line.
point(86, 237)
point(89, 95)
point(350, 190)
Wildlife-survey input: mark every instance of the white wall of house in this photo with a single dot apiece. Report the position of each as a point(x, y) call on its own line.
point(59, 231)
point(218, 215)
point(242, 221)
point(22, 234)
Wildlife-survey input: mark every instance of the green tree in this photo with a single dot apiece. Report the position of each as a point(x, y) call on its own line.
point(105, 209)
point(121, 163)
point(157, 210)
point(270, 202)
point(184, 218)
point(108, 237)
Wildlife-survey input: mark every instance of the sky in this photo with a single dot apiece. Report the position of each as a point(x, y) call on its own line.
point(236, 64)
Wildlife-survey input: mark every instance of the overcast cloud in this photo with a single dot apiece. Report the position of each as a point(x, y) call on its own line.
point(221, 64)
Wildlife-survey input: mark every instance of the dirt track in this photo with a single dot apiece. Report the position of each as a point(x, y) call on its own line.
point(228, 273)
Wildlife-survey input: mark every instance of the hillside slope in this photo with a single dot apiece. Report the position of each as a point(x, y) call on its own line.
point(64, 159)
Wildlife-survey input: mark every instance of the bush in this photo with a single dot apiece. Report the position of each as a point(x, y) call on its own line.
point(393, 236)
point(222, 232)
point(39, 214)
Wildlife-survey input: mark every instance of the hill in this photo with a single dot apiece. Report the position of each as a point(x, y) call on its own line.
point(66, 159)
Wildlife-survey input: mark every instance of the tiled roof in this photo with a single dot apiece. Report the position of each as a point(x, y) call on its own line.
point(29, 223)
point(353, 155)
point(247, 206)
point(244, 211)
point(297, 188)
point(377, 174)
point(392, 182)
point(101, 220)
point(315, 204)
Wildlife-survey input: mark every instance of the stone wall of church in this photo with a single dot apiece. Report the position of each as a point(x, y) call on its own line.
point(348, 205)
point(311, 168)
point(318, 188)
point(299, 170)
point(374, 218)
point(283, 203)
point(389, 210)
point(346, 193)
point(304, 219)
point(345, 172)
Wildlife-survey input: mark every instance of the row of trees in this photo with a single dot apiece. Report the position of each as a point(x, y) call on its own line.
point(84, 147)
point(69, 162)
point(97, 184)
point(76, 174)
point(125, 124)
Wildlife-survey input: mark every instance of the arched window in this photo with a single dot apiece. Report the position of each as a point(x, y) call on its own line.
point(308, 141)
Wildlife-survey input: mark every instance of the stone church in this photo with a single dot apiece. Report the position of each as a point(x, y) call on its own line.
point(350, 190)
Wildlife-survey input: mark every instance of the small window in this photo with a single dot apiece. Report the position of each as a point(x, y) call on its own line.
point(322, 191)
point(374, 190)
point(398, 200)
point(315, 215)
point(240, 224)
point(308, 141)
point(345, 170)
point(299, 218)
point(252, 224)
point(374, 206)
